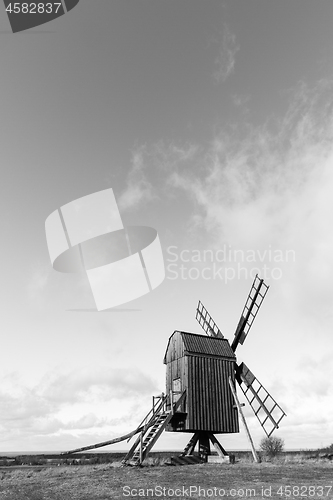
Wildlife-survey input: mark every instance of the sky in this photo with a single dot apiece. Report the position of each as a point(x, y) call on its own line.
point(213, 123)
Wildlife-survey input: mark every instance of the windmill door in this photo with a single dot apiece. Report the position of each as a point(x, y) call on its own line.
point(176, 389)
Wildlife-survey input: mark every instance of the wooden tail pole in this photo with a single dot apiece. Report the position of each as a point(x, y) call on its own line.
point(105, 443)
point(233, 390)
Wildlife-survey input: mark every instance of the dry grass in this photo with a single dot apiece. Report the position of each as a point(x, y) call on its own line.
point(102, 482)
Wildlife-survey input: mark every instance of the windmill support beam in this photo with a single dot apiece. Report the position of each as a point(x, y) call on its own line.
point(189, 448)
point(233, 390)
point(217, 445)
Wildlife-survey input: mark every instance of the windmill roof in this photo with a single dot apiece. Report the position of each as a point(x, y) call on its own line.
point(202, 344)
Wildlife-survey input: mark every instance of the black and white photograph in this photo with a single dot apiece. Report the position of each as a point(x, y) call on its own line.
point(167, 249)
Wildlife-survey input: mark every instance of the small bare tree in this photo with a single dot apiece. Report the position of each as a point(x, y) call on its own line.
point(271, 446)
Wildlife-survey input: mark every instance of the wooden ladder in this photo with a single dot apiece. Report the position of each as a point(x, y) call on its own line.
point(150, 434)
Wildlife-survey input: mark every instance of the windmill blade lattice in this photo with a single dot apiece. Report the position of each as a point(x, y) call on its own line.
point(265, 408)
point(252, 305)
point(207, 323)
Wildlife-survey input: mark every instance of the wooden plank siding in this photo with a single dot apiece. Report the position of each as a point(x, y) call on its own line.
point(209, 404)
point(175, 348)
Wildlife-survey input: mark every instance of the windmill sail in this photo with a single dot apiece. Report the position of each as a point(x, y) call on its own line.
point(253, 302)
point(265, 408)
point(207, 323)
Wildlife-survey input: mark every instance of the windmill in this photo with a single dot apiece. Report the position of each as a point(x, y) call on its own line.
point(200, 398)
point(200, 393)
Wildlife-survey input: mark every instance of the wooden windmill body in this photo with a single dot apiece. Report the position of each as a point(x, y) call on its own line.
point(201, 366)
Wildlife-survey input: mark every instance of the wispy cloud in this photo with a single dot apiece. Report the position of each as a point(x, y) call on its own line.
point(225, 61)
point(256, 187)
point(149, 165)
point(240, 100)
point(272, 185)
point(259, 187)
point(139, 189)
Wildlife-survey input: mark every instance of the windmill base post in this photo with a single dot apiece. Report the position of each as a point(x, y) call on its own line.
point(204, 439)
point(204, 446)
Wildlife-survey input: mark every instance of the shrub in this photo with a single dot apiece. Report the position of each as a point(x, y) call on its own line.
point(271, 446)
point(326, 449)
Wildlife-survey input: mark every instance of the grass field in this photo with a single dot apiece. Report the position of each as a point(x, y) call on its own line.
point(293, 479)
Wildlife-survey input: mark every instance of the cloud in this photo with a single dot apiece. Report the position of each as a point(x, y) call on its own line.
point(261, 188)
point(271, 186)
point(240, 100)
point(82, 402)
point(225, 61)
point(175, 155)
point(148, 165)
point(138, 190)
point(88, 384)
point(22, 407)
